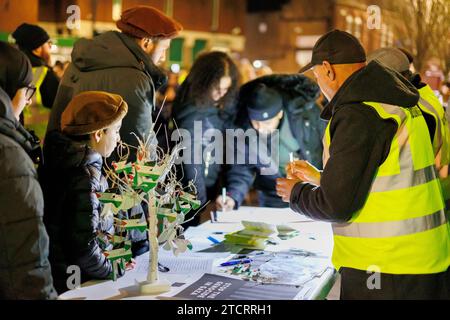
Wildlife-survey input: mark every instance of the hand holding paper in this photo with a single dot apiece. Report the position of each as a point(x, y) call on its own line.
point(303, 170)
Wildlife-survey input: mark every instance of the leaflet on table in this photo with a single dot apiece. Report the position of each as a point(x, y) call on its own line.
point(217, 287)
point(267, 215)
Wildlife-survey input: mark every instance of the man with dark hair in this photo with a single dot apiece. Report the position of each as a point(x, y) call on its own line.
point(282, 102)
point(36, 44)
point(123, 63)
point(25, 271)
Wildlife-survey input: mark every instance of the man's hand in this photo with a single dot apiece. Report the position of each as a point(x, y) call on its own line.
point(130, 265)
point(284, 188)
point(303, 170)
point(227, 206)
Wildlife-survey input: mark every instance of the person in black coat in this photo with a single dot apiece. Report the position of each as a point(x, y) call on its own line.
point(25, 271)
point(283, 102)
point(71, 177)
point(205, 101)
point(36, 44)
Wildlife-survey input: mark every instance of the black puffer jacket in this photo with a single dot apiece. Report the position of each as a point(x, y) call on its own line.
point(25, 271)
point(299, 96)
point(70, 178)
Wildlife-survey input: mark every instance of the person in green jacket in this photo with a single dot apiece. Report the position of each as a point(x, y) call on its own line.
point(123, 63)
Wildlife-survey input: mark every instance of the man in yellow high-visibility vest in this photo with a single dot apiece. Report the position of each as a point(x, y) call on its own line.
point(35, 43)
point(432, 111)
point(379, 188)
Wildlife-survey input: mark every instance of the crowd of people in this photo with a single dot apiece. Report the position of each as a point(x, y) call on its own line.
point(373, 160)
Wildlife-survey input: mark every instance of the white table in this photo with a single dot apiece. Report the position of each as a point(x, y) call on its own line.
point(314, 236)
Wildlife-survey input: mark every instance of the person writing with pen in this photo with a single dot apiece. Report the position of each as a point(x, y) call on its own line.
point(282, 109)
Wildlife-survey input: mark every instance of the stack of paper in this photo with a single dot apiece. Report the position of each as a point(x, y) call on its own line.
point(255, 235)
point(286, 232)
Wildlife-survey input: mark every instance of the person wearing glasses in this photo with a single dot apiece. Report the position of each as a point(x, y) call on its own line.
point(36, 44)
point(25, 271)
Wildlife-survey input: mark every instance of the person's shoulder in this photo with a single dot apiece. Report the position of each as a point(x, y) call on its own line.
point(363, 120)
point(15, 162)
point(358, 110)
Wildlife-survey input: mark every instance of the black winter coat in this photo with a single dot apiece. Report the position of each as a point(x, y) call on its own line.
point(25, 271)
point(360, 143)
point(186, 115)
point(112, 62)
point(70, 177)
point(299, 95)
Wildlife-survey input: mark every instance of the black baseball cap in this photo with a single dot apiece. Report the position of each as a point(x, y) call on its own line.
point(336, 47)
point(264, 103)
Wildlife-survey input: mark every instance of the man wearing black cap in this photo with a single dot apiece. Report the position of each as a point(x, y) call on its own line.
point(35, 43)
point(284, 102)
point(378, 188)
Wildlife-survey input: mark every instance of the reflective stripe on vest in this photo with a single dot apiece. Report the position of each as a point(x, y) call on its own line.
point(36, 114)
point(391, 228)
point(39, 74)
point(402, 227)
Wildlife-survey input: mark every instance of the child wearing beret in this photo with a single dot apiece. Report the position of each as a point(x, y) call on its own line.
point(71, 177)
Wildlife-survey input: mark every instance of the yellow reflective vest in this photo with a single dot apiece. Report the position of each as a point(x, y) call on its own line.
point(402, 227)
point(430, 104)
point(36, 115)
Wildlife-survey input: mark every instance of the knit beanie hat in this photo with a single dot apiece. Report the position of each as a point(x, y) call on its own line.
point(264, 103)
point(91, 111)
point(147, 22)
point(15, 69)
point(30, 36)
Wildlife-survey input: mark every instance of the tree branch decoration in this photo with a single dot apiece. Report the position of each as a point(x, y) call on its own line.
point(150, 180)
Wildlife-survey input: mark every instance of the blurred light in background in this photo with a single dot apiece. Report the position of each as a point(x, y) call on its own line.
point(257, 64)
point(262, 27)
point(175, 68)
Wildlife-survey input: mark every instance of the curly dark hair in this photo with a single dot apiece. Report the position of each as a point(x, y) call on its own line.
point(204, 76)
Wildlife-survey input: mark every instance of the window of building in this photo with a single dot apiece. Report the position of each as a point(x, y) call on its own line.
point(349, 24)
point(358, 27)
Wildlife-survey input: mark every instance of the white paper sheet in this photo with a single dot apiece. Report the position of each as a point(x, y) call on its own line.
point(184, 263)
point(267, 215)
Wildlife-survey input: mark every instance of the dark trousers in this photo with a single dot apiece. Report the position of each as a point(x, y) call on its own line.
point(354, 286)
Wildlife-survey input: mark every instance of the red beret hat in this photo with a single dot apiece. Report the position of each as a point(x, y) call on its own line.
point(90, 111)
point(148, 22)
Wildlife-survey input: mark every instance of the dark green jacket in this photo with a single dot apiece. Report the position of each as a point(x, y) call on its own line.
point(24, 246)
point(112, 62)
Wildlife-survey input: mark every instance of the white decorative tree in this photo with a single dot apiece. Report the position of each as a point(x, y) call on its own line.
point(151, 179)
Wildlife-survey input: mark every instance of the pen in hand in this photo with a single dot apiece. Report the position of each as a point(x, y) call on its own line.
point(224, 195)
